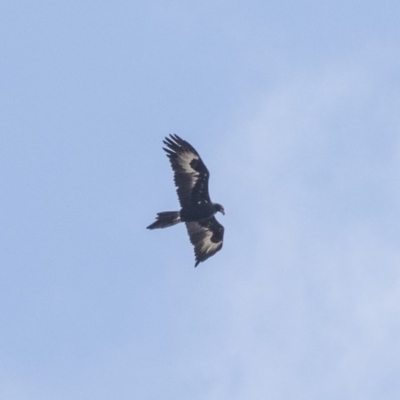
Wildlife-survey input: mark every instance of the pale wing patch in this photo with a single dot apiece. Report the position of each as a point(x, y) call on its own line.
point(207, 246)
point(184, 159)
point(202, 239)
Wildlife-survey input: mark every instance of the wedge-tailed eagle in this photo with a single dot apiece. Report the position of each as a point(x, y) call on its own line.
point(197, 210)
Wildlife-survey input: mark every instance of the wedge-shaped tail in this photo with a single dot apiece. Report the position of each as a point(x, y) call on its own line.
point(165, 219)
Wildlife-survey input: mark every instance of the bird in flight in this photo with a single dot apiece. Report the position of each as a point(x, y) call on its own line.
point(197, 210)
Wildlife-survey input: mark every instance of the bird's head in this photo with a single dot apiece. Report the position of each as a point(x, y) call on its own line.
point(219, 208)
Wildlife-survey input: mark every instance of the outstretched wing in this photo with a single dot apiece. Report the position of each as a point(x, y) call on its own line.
point(190, 174)
point(206, 237)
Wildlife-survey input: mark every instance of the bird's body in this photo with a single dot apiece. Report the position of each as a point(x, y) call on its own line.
point(197, 210)
point(198, 213)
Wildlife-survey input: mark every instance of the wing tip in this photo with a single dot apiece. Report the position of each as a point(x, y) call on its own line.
point(173, 144)
point(173, 138)
point(177, 144)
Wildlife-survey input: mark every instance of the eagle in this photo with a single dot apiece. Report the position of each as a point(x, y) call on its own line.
point(197, 210)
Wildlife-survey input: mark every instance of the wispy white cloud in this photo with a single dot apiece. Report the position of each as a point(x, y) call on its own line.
point(315, 306)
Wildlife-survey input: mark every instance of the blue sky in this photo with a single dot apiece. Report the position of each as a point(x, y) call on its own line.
point(294, 107)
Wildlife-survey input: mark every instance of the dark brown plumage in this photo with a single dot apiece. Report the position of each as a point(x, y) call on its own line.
point(191, 178)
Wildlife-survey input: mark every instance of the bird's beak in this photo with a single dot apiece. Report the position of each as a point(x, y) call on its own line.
point(223, 212)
